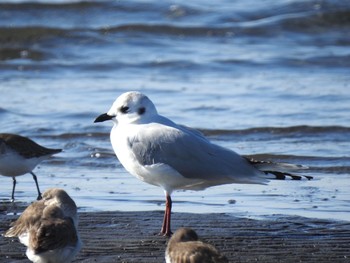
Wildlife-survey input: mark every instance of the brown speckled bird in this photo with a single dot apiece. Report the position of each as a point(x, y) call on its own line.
point(184, 247)
point(48, 228)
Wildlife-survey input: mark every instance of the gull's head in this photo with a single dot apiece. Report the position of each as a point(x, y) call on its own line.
point(130, 107)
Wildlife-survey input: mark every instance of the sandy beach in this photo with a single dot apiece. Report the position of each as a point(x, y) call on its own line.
point(132, 237)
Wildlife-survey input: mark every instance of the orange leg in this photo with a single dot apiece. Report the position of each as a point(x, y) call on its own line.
point(165, 231)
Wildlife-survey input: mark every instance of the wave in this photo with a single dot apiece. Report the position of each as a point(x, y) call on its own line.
point(302, 129)
point(78, 6)
point(295, 131)
point(51, 5)
point(3, 111)
point(319, 22)
point(87, 141)
point(20, 53)
point(311, 18)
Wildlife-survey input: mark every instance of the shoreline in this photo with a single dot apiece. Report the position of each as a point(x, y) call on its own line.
point(132, 237)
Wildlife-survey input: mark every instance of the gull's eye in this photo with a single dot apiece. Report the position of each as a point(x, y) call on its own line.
point(141, 110)
point(124, 109)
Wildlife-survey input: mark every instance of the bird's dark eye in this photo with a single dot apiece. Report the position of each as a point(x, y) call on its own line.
point(141, 110)
point(124, 109)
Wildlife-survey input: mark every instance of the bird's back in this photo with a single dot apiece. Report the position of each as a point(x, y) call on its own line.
point(25, 146)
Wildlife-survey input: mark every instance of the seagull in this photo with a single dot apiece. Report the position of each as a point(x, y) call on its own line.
point(48, 228)
point(171, 156)
point(20, 155)
point(184, 247)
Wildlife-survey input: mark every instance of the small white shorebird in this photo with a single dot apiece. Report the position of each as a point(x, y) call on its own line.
point(184, 247)
point(48, 228)
point(171, 156)
point(20, 155)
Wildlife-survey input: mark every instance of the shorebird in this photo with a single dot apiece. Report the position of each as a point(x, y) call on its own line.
point(48, 228)
point(160, 152)
point(20, 155)
point(184, 247)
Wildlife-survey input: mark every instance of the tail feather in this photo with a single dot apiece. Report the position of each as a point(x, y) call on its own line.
point(284, 175)
point(280, 171)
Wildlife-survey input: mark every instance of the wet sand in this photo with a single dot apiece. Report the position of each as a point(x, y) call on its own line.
point(132, 237)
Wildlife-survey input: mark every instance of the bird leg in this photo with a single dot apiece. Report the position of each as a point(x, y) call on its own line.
point(13, 189)
point(165, 231)
point(37, 186)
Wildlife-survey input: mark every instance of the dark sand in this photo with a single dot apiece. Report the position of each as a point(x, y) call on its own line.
point(132, 237)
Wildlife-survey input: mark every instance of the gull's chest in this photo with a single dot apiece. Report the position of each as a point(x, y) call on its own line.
point(121, 140)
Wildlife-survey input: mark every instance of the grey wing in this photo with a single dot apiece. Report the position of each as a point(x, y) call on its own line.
point(192, 155)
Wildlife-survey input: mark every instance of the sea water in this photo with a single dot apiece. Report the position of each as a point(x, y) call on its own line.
point(264, 78)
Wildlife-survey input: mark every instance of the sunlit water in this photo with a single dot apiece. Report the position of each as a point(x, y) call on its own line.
point(264, 78)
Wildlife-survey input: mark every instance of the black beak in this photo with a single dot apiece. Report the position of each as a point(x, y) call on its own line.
point(103, 117)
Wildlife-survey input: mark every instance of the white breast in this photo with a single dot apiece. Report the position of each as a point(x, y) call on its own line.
point(13, 164)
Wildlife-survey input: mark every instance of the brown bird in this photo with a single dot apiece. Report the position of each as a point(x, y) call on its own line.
point(48, 228)
point(20, 155)
point(184, 247)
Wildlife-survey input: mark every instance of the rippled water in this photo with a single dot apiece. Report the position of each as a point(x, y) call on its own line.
point(264, 78)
